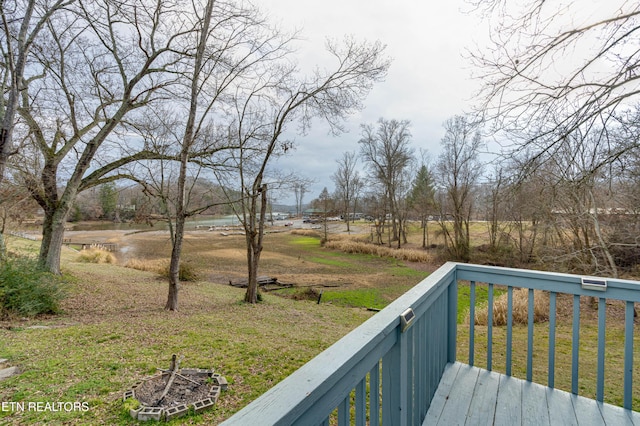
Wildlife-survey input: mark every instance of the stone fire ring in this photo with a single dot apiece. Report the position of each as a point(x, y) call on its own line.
point(211, 382)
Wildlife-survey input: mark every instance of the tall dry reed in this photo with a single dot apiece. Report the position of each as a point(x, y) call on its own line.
point(96, 255)
point(520, 308)
point(155, 265)
point(352, 246)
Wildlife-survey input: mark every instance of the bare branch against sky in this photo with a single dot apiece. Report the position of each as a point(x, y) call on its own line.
point(429, 80)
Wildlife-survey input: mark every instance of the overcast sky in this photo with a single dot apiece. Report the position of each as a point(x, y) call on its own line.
point(428, 82)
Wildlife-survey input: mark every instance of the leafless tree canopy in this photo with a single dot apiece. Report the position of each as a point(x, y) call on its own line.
point(387, 153)
point(348, 185)
point(555, 68)
point(458, 172)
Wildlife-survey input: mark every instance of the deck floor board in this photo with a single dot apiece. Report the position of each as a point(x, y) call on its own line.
point(473, 396)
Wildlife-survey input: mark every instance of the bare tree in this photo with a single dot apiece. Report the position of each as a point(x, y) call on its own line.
point(300, 187)
point(558, 68)
point(458, 172)
point(325, 202)
point(231, 42)
point(275, 100)
point(577, 173)
point(21, 23)
point(348, 185)
point(177, 182)
point(492, 193)
point(99, 64)
point(387, 154)
point(19, 30)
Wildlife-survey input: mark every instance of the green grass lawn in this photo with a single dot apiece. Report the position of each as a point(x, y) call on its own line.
point(98, 352)
point(114, 331)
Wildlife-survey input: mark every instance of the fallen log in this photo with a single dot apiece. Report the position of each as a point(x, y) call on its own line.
point(262, 281)
point(174, 370)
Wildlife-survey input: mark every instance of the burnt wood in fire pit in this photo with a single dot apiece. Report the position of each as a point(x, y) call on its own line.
point(169, 394)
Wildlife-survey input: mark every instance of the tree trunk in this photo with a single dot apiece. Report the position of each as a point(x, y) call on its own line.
point(172, 297)
point(5, 145)
point(347, 212)
point(3, 247)
point(174, 266)
point(255, 233)
point(52, 236)
point(253, 258)
point(187, 143)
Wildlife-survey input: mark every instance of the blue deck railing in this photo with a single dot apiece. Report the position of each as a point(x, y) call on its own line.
point(385, 372)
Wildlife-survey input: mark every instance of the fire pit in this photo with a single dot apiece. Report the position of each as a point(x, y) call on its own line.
point(172, 392)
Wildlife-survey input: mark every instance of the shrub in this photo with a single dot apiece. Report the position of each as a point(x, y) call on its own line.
point(96, 255)
point(156, 265)
point(187, 272)
point(26, 290)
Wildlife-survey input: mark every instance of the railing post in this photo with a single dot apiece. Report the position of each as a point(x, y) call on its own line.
point(394, 383)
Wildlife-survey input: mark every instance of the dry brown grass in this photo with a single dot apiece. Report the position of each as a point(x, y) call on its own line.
point(306, 233)
point(148, 265)
point(520, 308)
point(352, 246)
point(96, 255)
point(161, 266)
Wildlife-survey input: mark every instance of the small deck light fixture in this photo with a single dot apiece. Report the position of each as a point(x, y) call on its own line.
point(406, 319)
point(593, 283)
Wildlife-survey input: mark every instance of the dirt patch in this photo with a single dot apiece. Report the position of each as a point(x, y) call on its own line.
point(183, 390)
point(171, 394)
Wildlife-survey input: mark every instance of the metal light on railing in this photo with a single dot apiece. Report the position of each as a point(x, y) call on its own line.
point(406, 318)
point(593, 283)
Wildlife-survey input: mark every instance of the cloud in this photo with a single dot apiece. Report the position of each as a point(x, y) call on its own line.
point(427, 83)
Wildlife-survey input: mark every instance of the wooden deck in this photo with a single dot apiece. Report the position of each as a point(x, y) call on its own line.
point(472, 396)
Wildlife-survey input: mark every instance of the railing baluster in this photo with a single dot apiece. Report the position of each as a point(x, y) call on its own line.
point(509, 328)
point(552, 339)
point(575, 345)
point(530, 337)
point(374, 396)
point(344, 411)
point(602, 315)
point(472, 320)
point(421, 370)
point(361, 403)
point(410, 374)
point(490, 326)
point(628, 356)
point(394, 381)
point(452, 320)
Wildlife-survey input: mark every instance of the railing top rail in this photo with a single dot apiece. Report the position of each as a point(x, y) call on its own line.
point(550, 281)
point(298, 393)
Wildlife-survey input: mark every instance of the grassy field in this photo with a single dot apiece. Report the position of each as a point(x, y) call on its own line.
point(114, 331)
